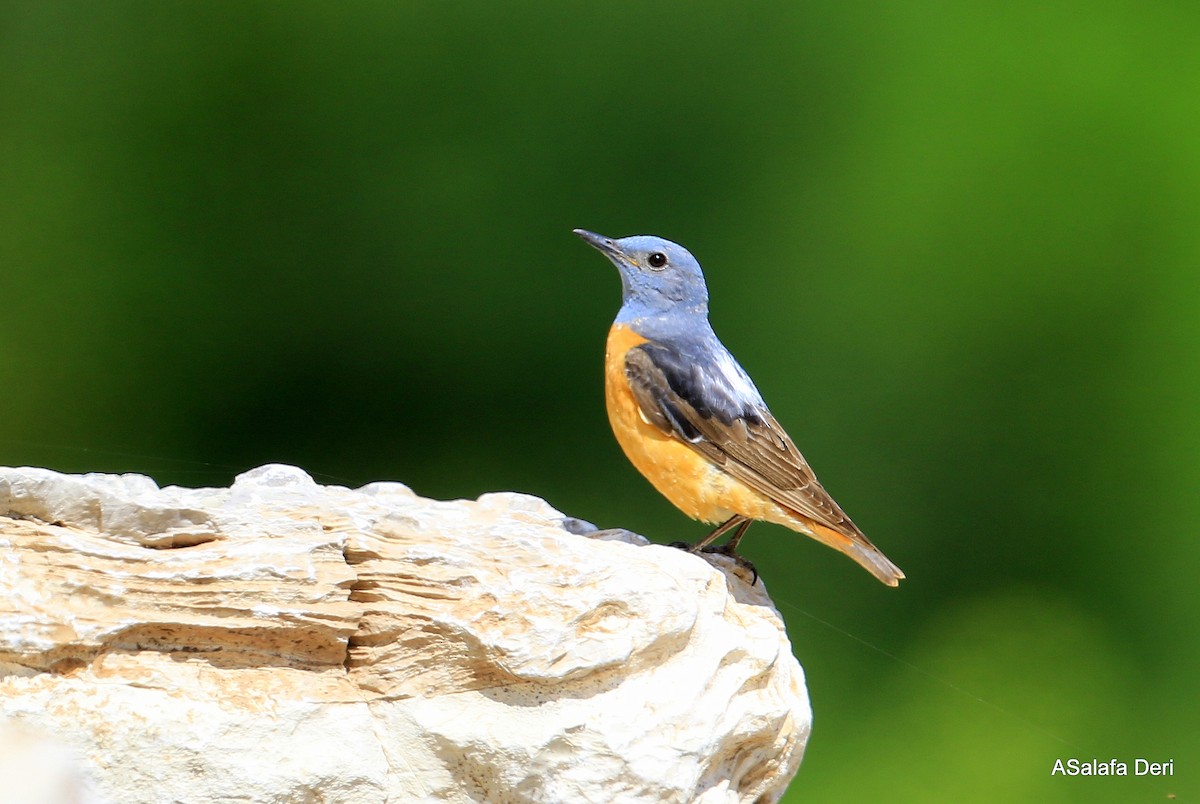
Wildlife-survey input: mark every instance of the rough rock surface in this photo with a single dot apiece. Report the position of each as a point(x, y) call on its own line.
point(282, 641)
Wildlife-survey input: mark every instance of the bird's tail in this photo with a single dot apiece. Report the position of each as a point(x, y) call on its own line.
point(854, 544)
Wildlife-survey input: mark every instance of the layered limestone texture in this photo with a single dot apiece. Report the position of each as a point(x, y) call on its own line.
point(283, 641)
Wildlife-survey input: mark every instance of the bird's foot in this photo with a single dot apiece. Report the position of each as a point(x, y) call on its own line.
point(738, 558)
point(724, 550)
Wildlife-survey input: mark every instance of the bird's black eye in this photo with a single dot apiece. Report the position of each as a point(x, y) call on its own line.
point(657, 259)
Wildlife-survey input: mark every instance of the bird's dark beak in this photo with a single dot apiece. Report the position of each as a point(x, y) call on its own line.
point(604, 245)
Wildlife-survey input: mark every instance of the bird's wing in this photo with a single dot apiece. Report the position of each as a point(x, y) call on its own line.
point(711, 405)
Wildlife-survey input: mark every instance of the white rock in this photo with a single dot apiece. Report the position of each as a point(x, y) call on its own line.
point(35, 768)
point(283, 641)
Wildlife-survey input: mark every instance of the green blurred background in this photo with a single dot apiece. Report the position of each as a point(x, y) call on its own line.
point(957, 247)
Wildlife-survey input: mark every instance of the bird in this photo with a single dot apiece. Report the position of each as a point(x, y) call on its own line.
point(691, 420)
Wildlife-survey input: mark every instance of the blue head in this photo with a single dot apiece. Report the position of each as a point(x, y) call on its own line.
point(658, 277)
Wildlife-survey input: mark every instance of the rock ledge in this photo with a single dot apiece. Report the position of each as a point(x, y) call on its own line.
point(283, 641)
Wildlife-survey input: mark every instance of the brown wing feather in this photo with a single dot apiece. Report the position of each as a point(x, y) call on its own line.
point(686, 397)
point(757, 452)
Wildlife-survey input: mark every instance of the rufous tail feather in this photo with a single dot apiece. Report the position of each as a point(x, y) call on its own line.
point(861, 550)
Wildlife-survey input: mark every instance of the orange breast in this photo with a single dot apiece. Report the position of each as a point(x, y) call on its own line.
point(682, 475)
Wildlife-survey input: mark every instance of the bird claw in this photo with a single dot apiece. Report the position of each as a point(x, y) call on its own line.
point(724, 550)
point(738, 558)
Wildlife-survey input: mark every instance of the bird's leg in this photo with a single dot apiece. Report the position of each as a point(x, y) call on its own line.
point(730, 549)
point(735, 521)
point(706, 545)
point(732, 544)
